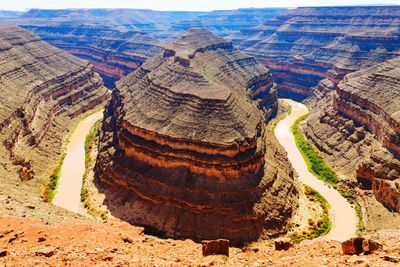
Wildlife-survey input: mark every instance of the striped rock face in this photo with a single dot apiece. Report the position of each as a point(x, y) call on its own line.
point(358, 127)
point(183, 144)
point(309, 44)
point(42, 90)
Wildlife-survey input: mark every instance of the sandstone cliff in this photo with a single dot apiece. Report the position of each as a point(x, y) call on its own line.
point(313, 43)
point(42, 90)
point(114, 53)
point(357, 126)
point(183, 148)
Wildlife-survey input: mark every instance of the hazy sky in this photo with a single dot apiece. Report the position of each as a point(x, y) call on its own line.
point(177, 4)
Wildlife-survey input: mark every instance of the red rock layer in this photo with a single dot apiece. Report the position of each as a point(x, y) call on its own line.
point(114, 53)
point(42, 90)
point(363, 119)
point(313, 43)
point(183, 149)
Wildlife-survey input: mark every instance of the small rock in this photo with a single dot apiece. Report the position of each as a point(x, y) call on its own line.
point(215, 247)
point(46, 252)
point(31, 207)
point(369, 246)
point(362, 261)
point(127, 239)
point(249, 249)
point(283, 243)
point(353, 246)
point(41, 239)
point(4, 253)
point(390, 258)
point(108, 258)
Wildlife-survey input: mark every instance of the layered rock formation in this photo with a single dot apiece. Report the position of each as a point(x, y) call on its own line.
point(313, 43)
point(117, 41)
point(42, 90)
point(357, 126)
point(113, 52)
point(225, 22)
point(183, 148)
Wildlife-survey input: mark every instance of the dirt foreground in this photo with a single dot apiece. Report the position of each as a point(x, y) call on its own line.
point(32, 242)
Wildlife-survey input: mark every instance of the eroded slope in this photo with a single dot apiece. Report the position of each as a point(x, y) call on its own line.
point(183, 148)
point(42, 90)
point(358, 128)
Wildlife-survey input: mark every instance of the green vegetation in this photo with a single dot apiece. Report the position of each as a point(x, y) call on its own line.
point(89, 141)
point(315, 228)
point(52, 185)
point(316, 165)
point(320, 169)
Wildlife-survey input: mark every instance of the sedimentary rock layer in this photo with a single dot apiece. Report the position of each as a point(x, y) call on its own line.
point(42, 90)
point(225, 22)
point(313, 43)
point(183, 149)
point(114, 53)
point(358, 128)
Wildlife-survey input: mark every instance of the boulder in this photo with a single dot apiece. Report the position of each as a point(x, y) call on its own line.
point(215, 247)
point(360, 245)
point(369, 246)
point(353, 246)
point(283, 243)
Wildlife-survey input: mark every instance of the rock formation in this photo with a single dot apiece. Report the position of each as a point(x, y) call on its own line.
point(313, 43)
point(357, 127)
point(114, 53)
point(225, 22)
point(42, 90)
point(118, 41)
point(183, 148)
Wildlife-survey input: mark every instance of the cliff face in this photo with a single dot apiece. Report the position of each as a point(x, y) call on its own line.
point(42, 89)
point(114, 53)
point(310, 44)
point(358, 127)
point(183, 149)
point(118, 41)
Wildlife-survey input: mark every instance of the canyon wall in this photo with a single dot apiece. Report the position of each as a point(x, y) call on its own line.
point(118, 41)
point(310, 44)
point(114, 53)
point(184, 151)
point(357, 126)
point(43, 89)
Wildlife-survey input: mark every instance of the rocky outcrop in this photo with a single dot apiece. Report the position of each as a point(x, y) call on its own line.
point(183, 148)
point(313, 43)
point(42, 90)
point(114, 53)
point(358, 127)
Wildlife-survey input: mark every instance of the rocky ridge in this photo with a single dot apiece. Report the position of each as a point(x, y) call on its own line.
point(113, 52)
point(42, 90)
point(118, 41)
point(357, 127)
point(183, 146)
point(310, 44)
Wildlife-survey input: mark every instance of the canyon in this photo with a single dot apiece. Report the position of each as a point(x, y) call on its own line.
point(188, 147)
point(43, 89)
point(118, 41)
point(309, 44)
point(182, 147)
point(356, 126)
